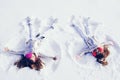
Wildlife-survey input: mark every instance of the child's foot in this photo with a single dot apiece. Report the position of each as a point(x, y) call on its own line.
point(51, 27)
point(42, 37)
point(37, 35)
point(6, 49)
point(54, 58)
point(72, 25)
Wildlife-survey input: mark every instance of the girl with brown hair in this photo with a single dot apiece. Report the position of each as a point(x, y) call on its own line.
point(28, 57)
point(91, 44)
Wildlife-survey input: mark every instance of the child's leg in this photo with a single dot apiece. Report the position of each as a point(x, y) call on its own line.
point(26, 28)
point(35, 28)
point(29, 25)
point(29, 44)
point(90, 26)
point(86, 26)
point(79, 31)
point(91, 44)
point(39, 35)
point(88, 41)
point(50, 25)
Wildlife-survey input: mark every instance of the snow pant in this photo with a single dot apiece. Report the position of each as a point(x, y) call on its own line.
point(89, 41)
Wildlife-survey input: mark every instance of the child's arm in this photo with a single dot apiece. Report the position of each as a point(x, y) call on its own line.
point(84, 51)
point(109, 43)
point(79, 55)
point(44, 56)
point(6, 49)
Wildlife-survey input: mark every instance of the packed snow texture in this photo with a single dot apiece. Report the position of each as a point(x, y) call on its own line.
point(62, 41)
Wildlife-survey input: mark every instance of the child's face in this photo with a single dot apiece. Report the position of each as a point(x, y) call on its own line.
point(33, 58)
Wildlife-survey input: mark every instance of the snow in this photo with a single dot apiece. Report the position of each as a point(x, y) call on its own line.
point(62, 41)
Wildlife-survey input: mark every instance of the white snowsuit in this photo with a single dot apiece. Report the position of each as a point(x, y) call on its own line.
point(90, 42)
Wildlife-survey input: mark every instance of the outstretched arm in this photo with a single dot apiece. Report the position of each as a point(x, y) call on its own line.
point(83, 52)
point(109, 43)
point(44, 56)
point(6, 49)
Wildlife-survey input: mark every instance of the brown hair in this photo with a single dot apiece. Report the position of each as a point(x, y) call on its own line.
point(37, 65)
point(105, 54)
point(25, 62)
point(106, 51)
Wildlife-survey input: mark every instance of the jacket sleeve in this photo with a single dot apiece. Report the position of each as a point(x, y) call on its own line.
point(16, 52)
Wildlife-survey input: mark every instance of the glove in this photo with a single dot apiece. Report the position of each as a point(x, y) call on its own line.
point(54, 58)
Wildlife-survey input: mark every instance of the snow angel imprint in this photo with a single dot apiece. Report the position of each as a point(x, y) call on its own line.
point(28, 57)
point(99, 51)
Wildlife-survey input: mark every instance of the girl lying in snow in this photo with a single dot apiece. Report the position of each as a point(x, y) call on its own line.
point(99, 51)
point(28, 57)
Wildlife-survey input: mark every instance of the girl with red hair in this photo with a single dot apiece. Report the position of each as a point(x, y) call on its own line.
point(91, 45)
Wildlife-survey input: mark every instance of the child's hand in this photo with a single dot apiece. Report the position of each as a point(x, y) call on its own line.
point(54, 58)
point(77, 57)
point(6, 49)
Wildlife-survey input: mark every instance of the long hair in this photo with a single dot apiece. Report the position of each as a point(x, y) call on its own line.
point(38, 64)
point(106, 51)
point(105, 54)
point(25, 62)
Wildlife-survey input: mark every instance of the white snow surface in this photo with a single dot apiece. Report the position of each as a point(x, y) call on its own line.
point(62, 41)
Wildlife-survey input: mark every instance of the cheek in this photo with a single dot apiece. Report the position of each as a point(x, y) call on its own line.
point(33, 58)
